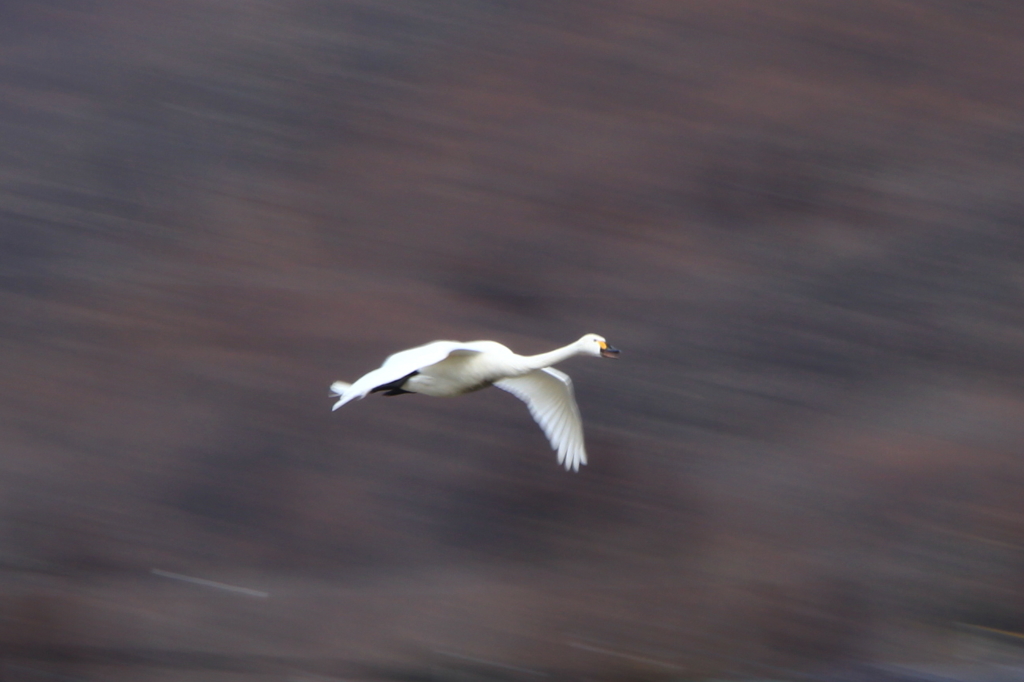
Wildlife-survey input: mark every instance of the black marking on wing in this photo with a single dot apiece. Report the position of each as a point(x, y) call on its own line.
point(395, 387)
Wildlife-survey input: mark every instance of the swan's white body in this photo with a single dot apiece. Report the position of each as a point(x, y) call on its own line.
point(450, 368)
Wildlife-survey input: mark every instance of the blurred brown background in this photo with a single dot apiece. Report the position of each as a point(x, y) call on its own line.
point(802, 222)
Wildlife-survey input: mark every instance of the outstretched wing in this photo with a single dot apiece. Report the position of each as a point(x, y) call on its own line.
point(548, 394)
point(395, 367)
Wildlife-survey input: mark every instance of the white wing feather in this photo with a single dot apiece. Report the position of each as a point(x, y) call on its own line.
point(397, 366)
point(548, 395)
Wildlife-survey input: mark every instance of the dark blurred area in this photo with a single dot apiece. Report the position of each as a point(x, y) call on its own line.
point(802, 222)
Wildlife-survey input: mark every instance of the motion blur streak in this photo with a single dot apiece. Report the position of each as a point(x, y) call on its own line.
point(209, 583)
point(803, 220)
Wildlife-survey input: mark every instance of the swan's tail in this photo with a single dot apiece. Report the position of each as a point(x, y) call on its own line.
point(338, 389)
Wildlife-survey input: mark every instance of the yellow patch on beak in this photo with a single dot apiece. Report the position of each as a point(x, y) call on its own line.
point(604, 346)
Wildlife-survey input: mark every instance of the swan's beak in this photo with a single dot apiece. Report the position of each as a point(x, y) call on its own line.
point(608, 352)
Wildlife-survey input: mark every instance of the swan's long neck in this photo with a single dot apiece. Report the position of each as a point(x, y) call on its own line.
point(532, 362)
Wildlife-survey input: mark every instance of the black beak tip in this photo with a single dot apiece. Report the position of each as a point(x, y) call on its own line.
point(610, 352)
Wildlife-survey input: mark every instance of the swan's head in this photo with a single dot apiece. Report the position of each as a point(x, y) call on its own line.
point(595, 345)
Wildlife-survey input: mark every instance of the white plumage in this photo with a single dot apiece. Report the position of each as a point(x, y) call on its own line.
point(450, 368)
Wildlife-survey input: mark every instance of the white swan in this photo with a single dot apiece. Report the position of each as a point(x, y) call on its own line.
point(450, 368)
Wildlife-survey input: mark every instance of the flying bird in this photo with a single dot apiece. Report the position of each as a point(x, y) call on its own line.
point(450, 368)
